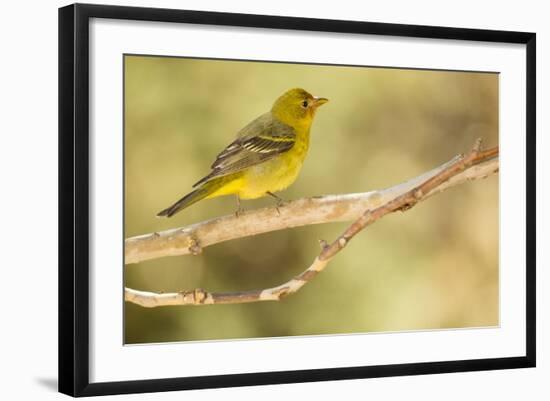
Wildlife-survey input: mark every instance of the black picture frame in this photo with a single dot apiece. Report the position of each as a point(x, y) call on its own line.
point(74, 198)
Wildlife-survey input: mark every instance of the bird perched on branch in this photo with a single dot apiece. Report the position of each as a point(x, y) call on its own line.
point(265, 158)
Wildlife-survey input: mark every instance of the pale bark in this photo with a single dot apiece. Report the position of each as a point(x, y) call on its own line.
point(365, 208)
point(301, 212)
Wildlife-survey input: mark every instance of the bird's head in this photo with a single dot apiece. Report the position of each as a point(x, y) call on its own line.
point(297, 107)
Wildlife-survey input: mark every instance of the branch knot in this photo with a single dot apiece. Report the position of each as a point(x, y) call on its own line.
point(194, 246)
point(342, 242)
point(197, 296)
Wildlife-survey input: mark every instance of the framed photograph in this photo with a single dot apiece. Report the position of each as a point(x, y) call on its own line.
point(250, 199)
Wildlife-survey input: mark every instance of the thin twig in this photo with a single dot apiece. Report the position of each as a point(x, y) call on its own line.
point(431, 183)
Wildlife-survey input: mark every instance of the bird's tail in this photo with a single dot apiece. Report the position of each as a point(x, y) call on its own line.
point(189, 199)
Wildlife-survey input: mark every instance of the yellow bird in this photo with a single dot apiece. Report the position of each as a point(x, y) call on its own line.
point(265, 158)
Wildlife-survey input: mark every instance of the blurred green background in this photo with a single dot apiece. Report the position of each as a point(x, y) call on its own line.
point(435, 266)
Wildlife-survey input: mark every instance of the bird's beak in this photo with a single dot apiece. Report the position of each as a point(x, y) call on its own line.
point(319, 101)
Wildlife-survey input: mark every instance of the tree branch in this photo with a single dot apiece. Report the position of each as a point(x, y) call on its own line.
point(366, 208)
point(307, 211)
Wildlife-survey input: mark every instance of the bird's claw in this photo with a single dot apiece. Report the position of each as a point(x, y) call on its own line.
point(280, 202)
point(239, 210)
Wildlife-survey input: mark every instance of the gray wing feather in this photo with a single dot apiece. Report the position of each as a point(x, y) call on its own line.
point(259, 141)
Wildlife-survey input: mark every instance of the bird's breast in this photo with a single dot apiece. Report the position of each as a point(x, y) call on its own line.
point(275, 174)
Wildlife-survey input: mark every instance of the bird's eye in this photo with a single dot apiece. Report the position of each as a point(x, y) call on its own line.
point(304, 104)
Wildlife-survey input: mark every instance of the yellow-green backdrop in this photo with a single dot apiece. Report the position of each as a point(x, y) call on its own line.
point(433, 267)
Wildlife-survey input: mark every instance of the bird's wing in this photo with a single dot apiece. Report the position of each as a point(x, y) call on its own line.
point(261, 140)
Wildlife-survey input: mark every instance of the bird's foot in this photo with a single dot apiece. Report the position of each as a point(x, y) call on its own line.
point(239, 210)
point(280, 201)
